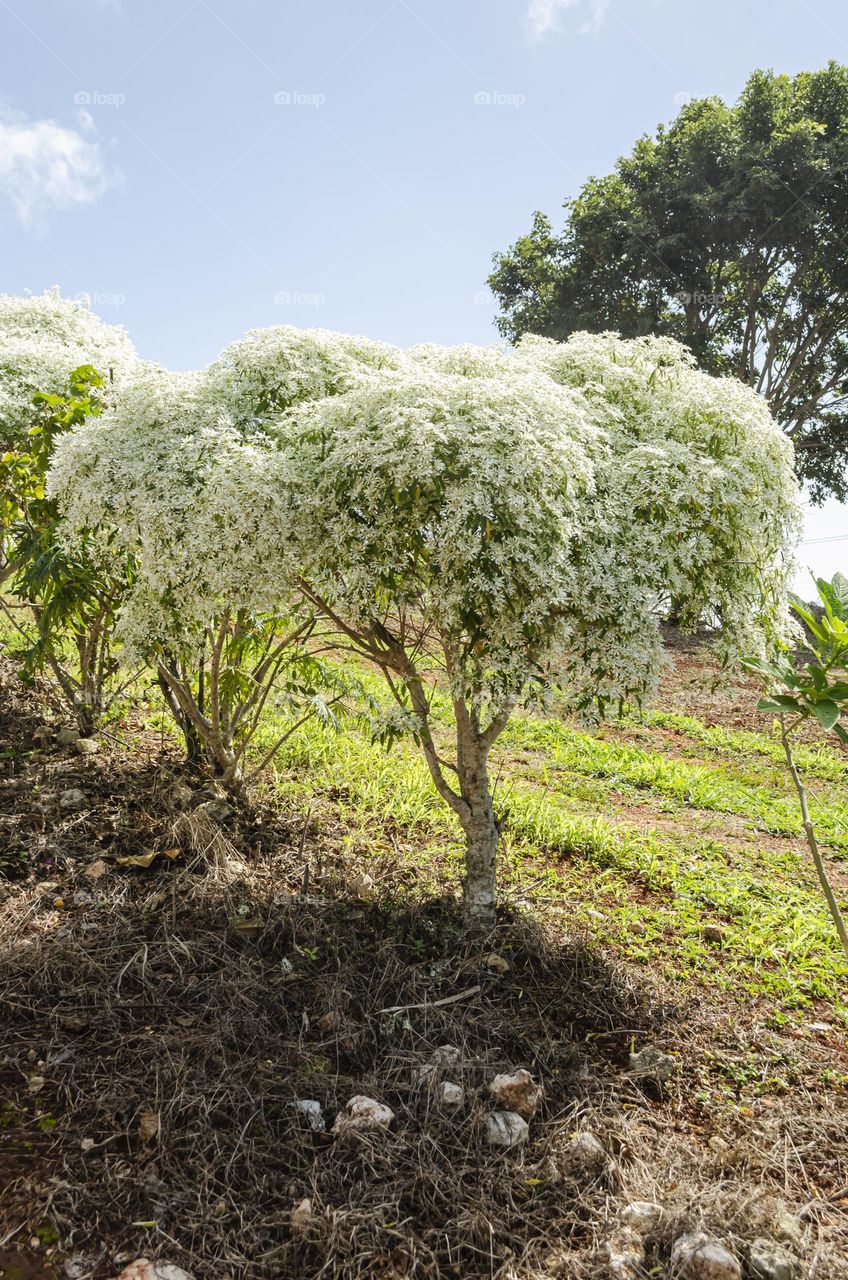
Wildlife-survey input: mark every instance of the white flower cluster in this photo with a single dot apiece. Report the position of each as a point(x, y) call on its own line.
point(520, 510)
point(255, 379)
point(163, 477)
point(453, 500)
point(696, 503)
point(43, 339)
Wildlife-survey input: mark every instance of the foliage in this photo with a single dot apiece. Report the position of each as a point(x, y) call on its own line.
point(72, 594)
point(439, 509)
point(698, 505)
point(167, 479)
point(444, 518)
point(269, 370)
point(725, 231)
point(816, 688)
point(43, 339)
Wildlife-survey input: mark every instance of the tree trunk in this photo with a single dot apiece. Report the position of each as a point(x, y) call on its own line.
point(191, 738)
point(481, 833)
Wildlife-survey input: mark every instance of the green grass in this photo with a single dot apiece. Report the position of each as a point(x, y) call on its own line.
point(647, 889)
point(742, 788)
point(823, 762)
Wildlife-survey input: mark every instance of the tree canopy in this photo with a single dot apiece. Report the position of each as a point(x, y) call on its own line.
point(483, 525)
point(727, 230)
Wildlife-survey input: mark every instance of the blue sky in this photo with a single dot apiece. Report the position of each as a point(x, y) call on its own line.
point(201, 167)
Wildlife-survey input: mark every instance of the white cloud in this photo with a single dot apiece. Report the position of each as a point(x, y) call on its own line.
point(544, 16)
point(44, 167)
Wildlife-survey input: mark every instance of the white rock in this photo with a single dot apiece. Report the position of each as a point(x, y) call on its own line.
point(215, 810)
point(361, 1114)
point(67, 736)
point(770, 1261)
point(651, 1063)
point(73, 798)
point(442, 1059)
point(585, 1155)
point(362, 886)
point(517, 1091)
point(312, 1113)
point(642, 1215)
point(301, 1217)
point(180, 795)
point(626, 1254)
point(451, 1095)
point(506, 1129)
point(697, 1257)
point(144, 1269)
point(87, 746)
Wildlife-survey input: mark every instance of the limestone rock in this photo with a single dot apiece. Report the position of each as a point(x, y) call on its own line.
point(626, 1254)
point(361, 1115)
point(312, 1112)
point(696, 1257)
point(301, 1217)
point(180, 795)
point(585, 1156)
point(362, 886)
point(517, 1091)
point(444, 1058)
point(87, 746)
point(67, 736)
point(451, 1095)
point(216, 810)
point(770, 1261)
point(642, 1215)
point(506, 1129)
point(651, 1063)
point(144, 1269)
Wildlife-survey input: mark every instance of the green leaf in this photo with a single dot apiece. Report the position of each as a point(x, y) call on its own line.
point(770, 706)
point(826, 712)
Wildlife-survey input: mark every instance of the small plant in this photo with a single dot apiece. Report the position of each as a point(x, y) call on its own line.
point(72, 595)
point(816, 689)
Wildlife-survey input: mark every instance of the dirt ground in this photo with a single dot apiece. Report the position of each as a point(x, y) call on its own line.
point(160, 1022)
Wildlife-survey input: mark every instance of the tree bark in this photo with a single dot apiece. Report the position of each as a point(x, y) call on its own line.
point(480, 827)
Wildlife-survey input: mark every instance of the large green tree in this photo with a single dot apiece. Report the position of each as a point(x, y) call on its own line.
point(729, 231)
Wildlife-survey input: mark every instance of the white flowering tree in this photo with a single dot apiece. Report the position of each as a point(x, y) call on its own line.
point(501, 522)
point(491, 522)
point(43, 340)
point(162, 478)
point(695, 503)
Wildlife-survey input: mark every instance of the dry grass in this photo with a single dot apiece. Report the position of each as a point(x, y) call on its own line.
point(197, 992)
